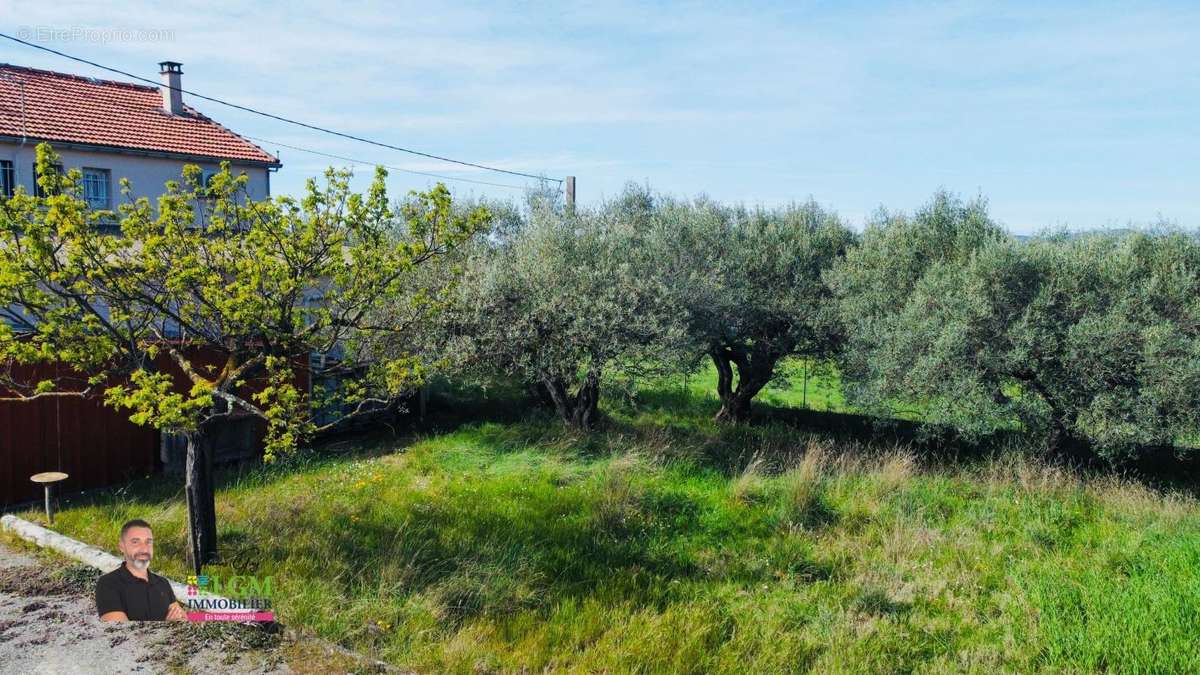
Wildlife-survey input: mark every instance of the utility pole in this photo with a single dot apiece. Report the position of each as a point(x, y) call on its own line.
point(570, 194)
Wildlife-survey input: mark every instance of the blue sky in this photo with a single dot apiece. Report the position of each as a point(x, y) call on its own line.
point(1083, 115)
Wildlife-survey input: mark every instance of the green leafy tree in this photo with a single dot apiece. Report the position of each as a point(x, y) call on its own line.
point(1088, 340)
point(440, 339)
point(200, 311)
point(568, 302)
point(874, 286)
point(749, 284)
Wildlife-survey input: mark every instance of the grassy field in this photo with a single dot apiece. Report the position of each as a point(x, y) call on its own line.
point(667, 544)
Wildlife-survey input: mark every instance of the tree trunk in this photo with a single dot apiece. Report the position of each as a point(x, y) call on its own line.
point(1063, 441)
point(751, 378)
point(1060, 438)
point(587, 403)
point(559, 397)
point(581, 409)
point(201, 500)
point(735, 409)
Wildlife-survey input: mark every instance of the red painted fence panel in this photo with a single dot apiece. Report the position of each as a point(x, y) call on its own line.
point(95, 445)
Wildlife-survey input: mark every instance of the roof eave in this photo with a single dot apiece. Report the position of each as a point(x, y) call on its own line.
point(140, 152)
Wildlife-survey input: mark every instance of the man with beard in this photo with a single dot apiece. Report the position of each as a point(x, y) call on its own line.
point(132, 592)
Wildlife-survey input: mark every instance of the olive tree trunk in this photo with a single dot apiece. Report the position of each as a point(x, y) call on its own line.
point(1060, 436)
point(752, 376)
point(580, 410)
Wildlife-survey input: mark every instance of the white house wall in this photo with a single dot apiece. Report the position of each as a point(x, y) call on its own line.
point(147, 175)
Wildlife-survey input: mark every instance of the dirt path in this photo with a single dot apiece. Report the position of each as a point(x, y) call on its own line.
point(48, 624)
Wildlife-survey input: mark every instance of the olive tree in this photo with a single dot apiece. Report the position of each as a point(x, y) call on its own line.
point(1097, 337)
point(1081, 340)
point(874, 285)
point(749, 284)
point(568, 301)
point(200, 310)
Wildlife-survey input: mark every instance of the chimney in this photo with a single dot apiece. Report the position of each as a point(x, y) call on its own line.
point(171, 72)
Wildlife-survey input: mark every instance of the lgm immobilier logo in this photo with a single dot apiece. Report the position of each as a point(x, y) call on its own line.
point(238, 598)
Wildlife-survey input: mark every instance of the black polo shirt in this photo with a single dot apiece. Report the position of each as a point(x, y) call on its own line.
point(120, 591)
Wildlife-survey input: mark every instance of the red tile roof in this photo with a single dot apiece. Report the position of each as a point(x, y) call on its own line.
point(76, 109)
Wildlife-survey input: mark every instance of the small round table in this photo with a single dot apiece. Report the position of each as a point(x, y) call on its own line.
point(48, 479)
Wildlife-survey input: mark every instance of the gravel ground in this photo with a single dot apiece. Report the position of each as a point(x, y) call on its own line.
point(48, 624)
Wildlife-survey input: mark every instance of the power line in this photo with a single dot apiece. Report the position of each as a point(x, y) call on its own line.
point(386, 166)
point(279, 117)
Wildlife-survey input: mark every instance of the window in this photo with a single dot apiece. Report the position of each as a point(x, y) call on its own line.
point(171, 329)
point(58, 168)
point(206, 178)
point(7, 182)
point(95, 188)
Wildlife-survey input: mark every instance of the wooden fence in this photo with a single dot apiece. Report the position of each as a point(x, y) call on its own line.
point(96, 445)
